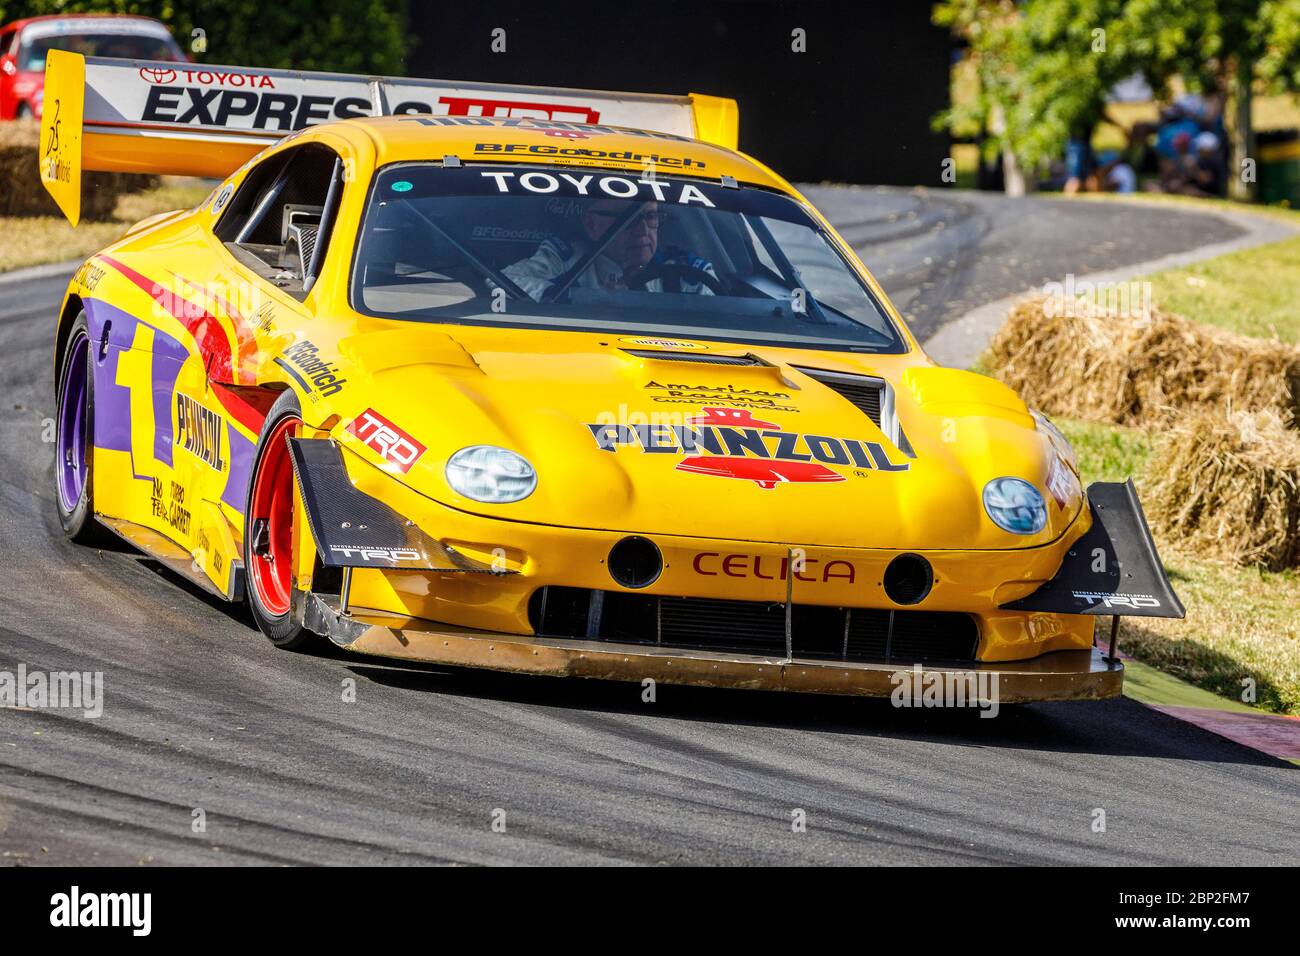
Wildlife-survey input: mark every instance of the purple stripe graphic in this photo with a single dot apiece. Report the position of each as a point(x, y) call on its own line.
point(113, 401)
point(168, 357)
point(241, 468)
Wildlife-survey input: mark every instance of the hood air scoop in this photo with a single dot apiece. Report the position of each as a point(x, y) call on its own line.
point(874, 397)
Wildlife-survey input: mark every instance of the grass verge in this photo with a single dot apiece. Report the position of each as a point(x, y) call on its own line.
point(1253, 292)
point(33, 241)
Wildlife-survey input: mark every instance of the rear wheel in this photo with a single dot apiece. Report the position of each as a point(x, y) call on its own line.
point(268, 529)
point(74, 490)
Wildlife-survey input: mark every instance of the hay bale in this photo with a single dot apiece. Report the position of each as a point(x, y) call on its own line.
point(21, 192)
point(1141, 368)
point(1227, 486)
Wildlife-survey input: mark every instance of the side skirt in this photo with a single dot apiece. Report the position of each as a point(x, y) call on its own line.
point(174, 557)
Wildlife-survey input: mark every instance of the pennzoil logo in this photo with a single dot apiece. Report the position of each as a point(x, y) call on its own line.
point(732, 443)
point(199, 431)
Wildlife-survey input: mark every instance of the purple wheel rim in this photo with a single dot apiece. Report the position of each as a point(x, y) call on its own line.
point(71, 447)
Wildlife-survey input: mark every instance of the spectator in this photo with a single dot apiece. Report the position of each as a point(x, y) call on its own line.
point(1210, 172)
point(1114, 174)
point(1080, 163)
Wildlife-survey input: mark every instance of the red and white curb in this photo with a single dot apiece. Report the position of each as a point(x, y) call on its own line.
point(1274, 734)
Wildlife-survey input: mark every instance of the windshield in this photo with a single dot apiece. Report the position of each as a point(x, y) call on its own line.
point(31, 57)
point(591, 250)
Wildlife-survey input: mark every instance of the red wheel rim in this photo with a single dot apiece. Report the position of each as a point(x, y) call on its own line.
point(272, 502)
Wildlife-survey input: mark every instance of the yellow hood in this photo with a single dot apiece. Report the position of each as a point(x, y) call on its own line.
point(629, 434)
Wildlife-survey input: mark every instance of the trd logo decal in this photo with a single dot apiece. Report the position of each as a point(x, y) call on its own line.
point(377, 554)
point(1133, 601)
point(1060, 481)
point(481, 106)
point(732, 443)
point(390, 442)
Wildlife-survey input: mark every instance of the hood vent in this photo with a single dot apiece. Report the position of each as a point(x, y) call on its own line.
point(699, 358)
point(864, 391)
point(873, 396)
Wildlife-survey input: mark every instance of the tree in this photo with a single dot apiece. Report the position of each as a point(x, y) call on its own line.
point(344, 36)
point(1045, 66)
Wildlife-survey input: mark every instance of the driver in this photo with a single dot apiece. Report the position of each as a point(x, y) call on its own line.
point(634, 248)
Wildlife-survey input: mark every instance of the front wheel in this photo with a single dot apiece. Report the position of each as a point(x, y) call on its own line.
point(268, 529)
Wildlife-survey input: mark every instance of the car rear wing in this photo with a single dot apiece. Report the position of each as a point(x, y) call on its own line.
point(191, 119)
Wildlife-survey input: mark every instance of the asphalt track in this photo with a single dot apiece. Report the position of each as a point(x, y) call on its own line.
point(202, 713)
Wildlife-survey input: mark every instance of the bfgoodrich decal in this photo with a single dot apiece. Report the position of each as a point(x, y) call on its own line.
point(302, 360)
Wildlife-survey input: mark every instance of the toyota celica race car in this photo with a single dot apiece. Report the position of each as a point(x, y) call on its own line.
point(550, 381)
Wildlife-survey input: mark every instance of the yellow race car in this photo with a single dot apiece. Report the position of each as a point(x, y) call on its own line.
point(550, 381)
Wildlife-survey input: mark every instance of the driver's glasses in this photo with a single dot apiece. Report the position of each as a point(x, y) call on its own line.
point(650, 218)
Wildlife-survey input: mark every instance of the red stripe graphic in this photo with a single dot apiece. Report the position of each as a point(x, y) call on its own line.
point(248, 406)
point(244, 340)
point(209, 336)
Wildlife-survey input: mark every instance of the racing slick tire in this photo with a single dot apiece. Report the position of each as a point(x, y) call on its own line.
point(74, 424)
point(268, 530)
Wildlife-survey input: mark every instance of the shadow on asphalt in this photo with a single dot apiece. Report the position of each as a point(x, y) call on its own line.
point(1092, 727)
point(1117, 728)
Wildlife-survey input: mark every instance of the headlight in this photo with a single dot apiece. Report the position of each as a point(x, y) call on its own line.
point(1015, 505)
point(489, 473)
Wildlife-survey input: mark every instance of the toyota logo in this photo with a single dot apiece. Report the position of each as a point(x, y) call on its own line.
point(157, 75)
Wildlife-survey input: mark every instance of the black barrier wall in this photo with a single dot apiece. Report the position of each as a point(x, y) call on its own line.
point(856, 106)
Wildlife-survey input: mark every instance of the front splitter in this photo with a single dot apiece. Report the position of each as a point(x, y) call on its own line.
point(1060, 675)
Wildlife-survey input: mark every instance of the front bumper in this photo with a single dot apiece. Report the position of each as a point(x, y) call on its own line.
point(530, 558)
point(1061, 675)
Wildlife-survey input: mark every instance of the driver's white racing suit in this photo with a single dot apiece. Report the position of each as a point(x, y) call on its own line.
point(555, 257)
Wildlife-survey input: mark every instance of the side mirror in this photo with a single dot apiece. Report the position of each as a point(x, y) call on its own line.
point(8, 65)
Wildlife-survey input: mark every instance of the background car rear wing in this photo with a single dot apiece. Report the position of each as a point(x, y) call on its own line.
point(198, 120)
